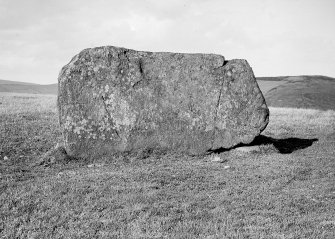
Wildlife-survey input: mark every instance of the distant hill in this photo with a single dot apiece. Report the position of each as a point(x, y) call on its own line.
point(7, 82)
point(313, 92)
point(23, 87)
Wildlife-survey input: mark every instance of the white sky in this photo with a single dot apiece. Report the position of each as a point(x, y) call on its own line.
point(277, 37)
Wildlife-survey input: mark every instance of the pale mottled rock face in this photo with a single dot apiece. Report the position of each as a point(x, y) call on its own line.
point(115, 99)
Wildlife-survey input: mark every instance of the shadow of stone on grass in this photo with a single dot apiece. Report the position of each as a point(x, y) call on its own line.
point(284, 146)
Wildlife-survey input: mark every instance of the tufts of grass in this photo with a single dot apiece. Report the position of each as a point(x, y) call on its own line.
point(28, 125)
point(295, 122)
point(18, 104)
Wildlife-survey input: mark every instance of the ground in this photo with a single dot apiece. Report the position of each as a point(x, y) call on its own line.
point(283, 189)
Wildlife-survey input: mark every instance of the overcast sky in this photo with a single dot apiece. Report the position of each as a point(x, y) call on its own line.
point(277, 37)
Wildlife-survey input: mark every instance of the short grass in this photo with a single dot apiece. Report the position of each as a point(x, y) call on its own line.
point(248, 195)
point(28, 125)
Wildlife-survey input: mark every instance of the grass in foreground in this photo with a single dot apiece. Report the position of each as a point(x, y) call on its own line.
point(254, 195)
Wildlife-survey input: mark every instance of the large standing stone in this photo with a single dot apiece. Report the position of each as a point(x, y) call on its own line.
point(114, 99)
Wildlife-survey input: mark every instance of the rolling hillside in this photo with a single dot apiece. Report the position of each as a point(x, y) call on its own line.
point(23, 87)
point(311, 92)
point(7, 82)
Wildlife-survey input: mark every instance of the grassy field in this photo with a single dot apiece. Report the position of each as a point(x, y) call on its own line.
point(283, 189)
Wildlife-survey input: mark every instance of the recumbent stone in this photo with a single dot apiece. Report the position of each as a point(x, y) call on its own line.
point(114, 99)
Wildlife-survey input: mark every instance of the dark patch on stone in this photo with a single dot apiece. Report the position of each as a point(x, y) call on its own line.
point(114, 99)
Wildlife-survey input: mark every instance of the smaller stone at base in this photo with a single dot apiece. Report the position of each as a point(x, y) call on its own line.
point(217, 159)
point(248, 149)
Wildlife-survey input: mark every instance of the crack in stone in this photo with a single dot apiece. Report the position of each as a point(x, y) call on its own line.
point(216, 114)
point(140, 65)
point(143, 77)
point(222, 68)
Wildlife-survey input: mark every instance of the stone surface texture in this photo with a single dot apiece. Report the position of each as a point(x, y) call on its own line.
point(114, 99)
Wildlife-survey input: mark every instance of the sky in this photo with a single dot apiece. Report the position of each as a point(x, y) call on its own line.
point(276, 37)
